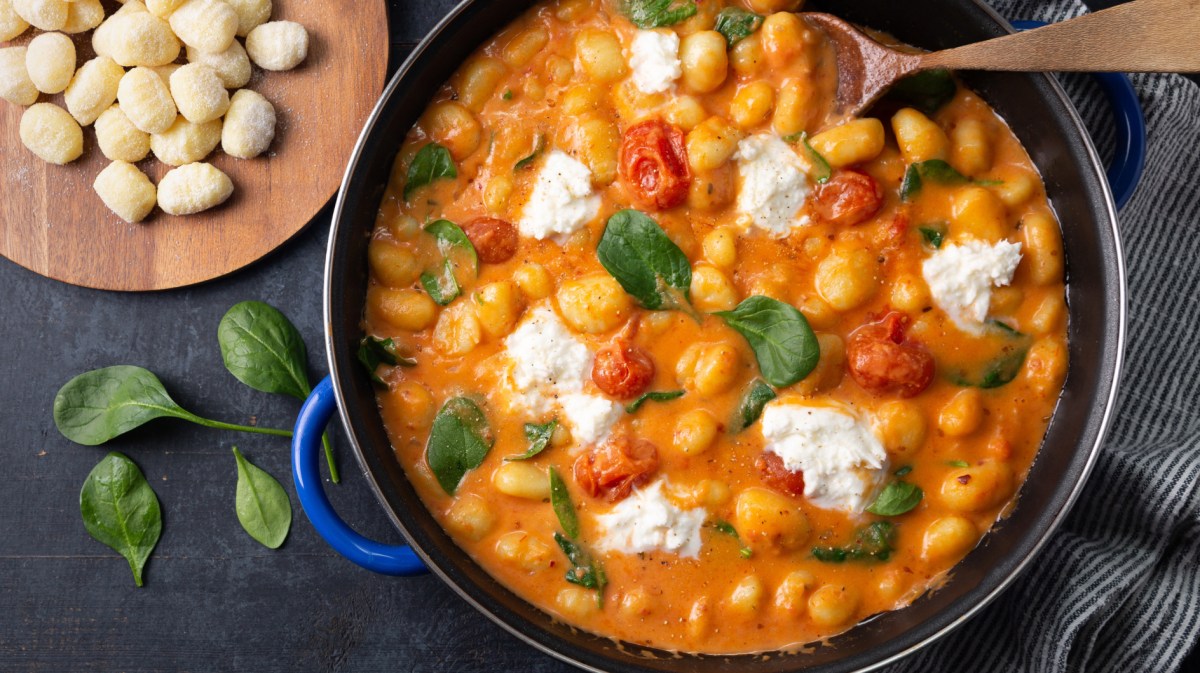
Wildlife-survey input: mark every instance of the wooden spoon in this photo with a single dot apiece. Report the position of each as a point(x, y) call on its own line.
point(1139, 36)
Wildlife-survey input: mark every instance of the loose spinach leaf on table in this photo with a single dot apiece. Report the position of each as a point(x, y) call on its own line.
point(647, 14)
point(655, 396)
point(262, 506)
point(265, 351)
point(927, 91)
point(97, 406)
point(872, 542)
point(751, 405)
point(374, 353)
point(736, 24)
point(458, 441)
point(648, 264)
point(432, 162)
point(783, 343)
point(564, 509)
point(897, 498)
point(120, 509)
point(539, 438)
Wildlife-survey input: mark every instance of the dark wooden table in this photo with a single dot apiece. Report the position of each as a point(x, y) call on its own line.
point(214, 599)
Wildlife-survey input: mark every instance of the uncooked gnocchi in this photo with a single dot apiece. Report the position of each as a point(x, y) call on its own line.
point(251, 14)
point(42, 14)
point(93, 89)
point(118, 138)
point(136, 37)
point(11, 23)
point(126, 191)
point(50, 60)
point(193, 188)
point(199, 93)
point(147, 102)
point(249, 125)
point(52, 134)
point(83, 15)
point(231, 65)
point(277, 45)
point(15, 85)
point(185, 142)
point(207, 25)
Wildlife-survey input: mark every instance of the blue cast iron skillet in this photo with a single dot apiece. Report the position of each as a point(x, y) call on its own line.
point(1046, 123)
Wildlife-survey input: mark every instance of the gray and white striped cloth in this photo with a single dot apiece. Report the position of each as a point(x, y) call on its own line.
point(1118, 587)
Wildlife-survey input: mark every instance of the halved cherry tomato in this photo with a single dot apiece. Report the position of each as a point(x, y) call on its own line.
point(774, 474)
point(611, 470)
point(881, 360)
point(622, 369)
point(654, 163)
point(849, 198)
point(495, 240)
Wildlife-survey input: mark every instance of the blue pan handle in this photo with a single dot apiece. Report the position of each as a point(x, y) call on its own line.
point(1129, 158)
point(306, 466)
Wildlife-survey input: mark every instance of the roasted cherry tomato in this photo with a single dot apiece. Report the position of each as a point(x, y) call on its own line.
point(622, 369)
point(611, 470)
point(848, 198)
point(654, 164)
point(774, 474)
point(881, 359)
point(495, 240)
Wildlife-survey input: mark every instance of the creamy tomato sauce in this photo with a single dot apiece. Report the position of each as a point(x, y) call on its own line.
point(926, 325)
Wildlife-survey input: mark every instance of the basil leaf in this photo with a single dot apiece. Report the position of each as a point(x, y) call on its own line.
point(585, 570)
point(927, 91)
point(821, 169)
point(783, 343)
point(458, 441)
point(264, 350)
point(657, 13)
point(432, 162)
point(872, 542)
point(903, 471)
point(374, 353)
point(539, 438)
point(120, 509)
point(896, 498)
point(538, 146)
point(933, 235)
point(664, 396)
point(442, 288)
point(751, 406)
point(560, 500)
point(934, 170)
point(736, 24)
point(638, 253)
point(263, 507)
point(452, 240)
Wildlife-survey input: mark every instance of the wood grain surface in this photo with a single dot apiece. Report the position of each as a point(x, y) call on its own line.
point(53, 222)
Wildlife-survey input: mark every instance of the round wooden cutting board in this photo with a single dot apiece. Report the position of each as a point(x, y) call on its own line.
point(52, 221)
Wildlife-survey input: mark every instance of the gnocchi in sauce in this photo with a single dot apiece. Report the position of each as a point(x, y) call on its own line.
point(685, 358)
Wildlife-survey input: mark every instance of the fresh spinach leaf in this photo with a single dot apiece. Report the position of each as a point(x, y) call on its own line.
point(783, 343)
point(585, 570)
point(933, 170)
point(872, 542)
point(897, 498)
point(99, 405)
point(538, 146)
point(736, 24)
point(903, 471)
point(821, 168)
point(726, 528)
point(443, 288)
point(432, 162)
point(458, 441)
point(751, 405)
point(264, 350)
point(1004, 369)
point(933, 234)
point(560, 500)
point(539, 438)
point(957, 463)
point(262, 506)
point(647, 14)
point(927, 91)
point(374, 353)
point(663, 396)
point(120, 509)
point(453, 242)
point(638, 253)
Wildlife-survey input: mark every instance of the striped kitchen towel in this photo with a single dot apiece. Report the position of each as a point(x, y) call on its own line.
point(1118, 587)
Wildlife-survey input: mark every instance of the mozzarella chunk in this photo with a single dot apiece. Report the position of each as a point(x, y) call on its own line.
point(562, 200)
point(654, 57)
point(961, 278)
point(773, 185)
point(648, 521)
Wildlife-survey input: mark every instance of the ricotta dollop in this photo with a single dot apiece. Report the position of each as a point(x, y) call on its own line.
point(562, 200)
point(549, 368)
point(648, 521)
point(961, 278)
point(654, 58)
point(773, 184)
point(844, 464)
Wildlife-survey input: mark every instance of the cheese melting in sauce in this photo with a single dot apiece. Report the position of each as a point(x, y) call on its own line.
point(648, 521)
point(654, 58)
point(961, 278)
point(773, 184)
point(562, 201)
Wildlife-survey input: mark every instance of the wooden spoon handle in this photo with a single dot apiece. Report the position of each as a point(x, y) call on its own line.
point(1139, 36)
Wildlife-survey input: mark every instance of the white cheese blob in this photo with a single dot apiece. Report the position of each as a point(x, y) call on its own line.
point(562, 200)
point(549, 367)
point(961, 278)
point(648, 521)
point(654, 58)
point(844, 464)
point(773, 184)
